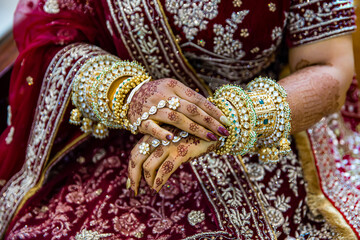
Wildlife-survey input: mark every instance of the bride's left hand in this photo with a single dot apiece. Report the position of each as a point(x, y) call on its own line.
point(158, 165)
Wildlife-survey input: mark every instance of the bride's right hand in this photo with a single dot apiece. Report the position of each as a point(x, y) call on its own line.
point(195, 114)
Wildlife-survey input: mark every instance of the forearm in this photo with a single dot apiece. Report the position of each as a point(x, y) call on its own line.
point(321, 74)
point(315, 92)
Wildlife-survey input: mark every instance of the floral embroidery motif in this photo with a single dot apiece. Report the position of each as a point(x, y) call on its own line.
point(128, 225)
point(237, 3)
point(224, 42)
point(192, 15)
point(272, 7)
point(195, 217)
point(91, 235)
point(51, 6)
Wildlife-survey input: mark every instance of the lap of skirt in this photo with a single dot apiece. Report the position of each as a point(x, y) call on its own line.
point(86, 194)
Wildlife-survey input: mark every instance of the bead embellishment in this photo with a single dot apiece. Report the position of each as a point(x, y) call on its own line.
point(144, 148)
point(196, 217)
point(174, 103)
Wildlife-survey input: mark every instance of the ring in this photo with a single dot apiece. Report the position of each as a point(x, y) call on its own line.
point(174, 103)
point(144, 148)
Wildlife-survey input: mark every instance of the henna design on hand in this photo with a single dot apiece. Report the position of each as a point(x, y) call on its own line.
point(192, 140)
point(141, 97)
point(173, 116)
point(167, 167)
point(182, 150)
point(192, 108)
point(193, 127)
point(189, 92)
point(132, 163)
point(147, 174)
point(172, 83)
point(310, 100)
point(159, 151)
point(208, 119)
point(158, 182)
point(209, 105)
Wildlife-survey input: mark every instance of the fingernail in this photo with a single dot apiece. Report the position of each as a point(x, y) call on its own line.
point(223, 131)
point(128, 183)
point(211, 136)
point(136, 193)
point(224, 120)
point(169, 137)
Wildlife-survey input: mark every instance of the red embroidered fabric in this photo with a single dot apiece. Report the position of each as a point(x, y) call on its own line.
point(227, 40)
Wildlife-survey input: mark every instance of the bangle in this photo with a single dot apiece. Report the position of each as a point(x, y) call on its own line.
point(119, 110)
point(229, 142)
point(100, 88)
point(245, 109)
point(275, 139)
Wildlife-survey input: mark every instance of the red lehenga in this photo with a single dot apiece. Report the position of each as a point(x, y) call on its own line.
point(60, 184)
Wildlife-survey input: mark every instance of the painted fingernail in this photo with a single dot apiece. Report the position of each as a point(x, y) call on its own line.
point(128, 183)
point(169, 137)
point(211, 136)
point(224, 120)
point(223, 131)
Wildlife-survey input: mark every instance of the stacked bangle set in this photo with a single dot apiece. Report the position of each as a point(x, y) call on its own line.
point(259, 115)
point(260, 119)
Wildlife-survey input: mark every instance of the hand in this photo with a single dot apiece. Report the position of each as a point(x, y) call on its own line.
point(195, 115)
point(161, 162)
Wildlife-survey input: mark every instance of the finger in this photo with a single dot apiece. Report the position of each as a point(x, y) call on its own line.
point(136, 161)
point(152, 128)
point(152, 164)
point(191, 96)
point(167, 168)
point(199, 116)
point(180, 121)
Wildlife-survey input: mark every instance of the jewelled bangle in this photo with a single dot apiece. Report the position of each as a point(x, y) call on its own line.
point(271, 145)
point(101, 87)
point(245, 109)
point(229, 142)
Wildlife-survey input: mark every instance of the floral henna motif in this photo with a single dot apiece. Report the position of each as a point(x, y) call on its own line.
point(173, 116)
point(190, 93)
point(147, 174)
point(159, 181)
point(192, 140)
point(168, 167)
point(159, 152)
point(193, 127)
point(209, 105)
point(182, 150)
point(192, 108)
point(172, 83)
point(208, 119)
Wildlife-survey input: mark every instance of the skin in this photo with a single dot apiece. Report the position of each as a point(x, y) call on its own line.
point(194, 109)
point(321, 75)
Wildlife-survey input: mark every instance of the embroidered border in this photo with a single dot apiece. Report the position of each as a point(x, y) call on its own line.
point(145, 33)
point(317, 22)
point(233, 198)
point(55, 89)
point(339, 189)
